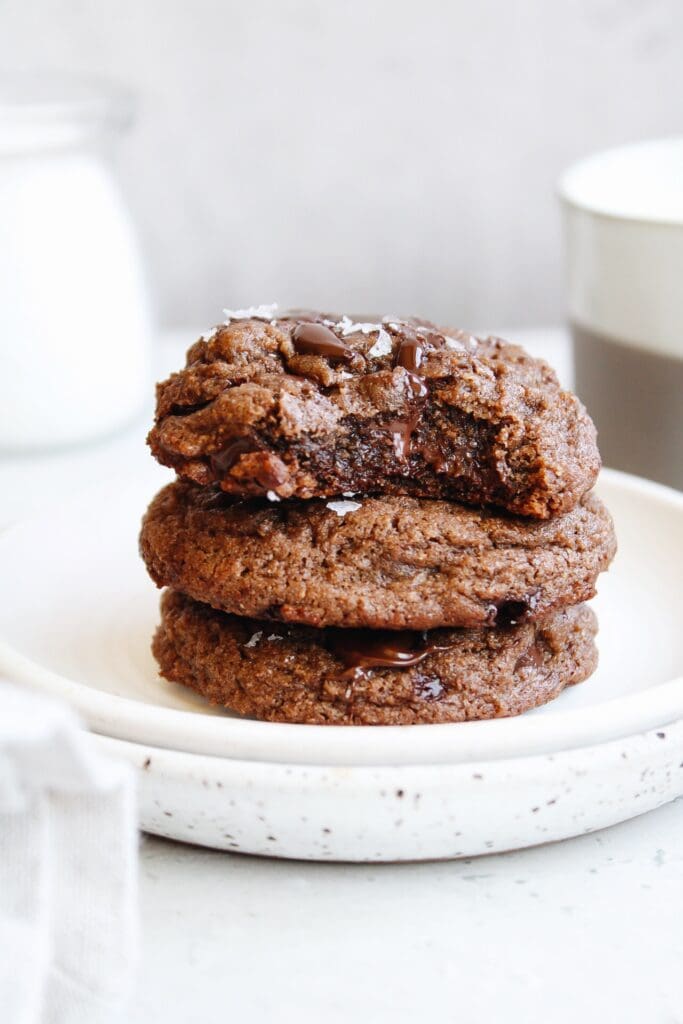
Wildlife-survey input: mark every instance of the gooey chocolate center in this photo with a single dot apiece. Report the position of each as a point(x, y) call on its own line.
point(361, 650)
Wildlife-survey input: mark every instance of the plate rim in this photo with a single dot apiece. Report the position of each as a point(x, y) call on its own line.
point(191, 765)
point(256, 807)
point(191, 732)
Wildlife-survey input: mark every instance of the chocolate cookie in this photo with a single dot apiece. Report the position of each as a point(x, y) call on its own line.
point(379, 562)
point(315, 405)
point(348, 677)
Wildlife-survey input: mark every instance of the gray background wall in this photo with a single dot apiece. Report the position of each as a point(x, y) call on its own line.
point(381, 154)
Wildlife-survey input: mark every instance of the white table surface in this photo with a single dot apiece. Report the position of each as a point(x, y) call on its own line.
point(586, 930)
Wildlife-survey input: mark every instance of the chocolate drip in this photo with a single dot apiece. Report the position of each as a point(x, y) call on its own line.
point(409, 356)
point(223, 461)
point(402, 432)
point(317, 340)
point(363, 649)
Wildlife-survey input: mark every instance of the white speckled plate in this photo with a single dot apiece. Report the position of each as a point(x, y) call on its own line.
point(77, 612)
point(405, 812)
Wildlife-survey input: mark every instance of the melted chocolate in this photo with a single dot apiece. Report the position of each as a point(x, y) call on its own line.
point(223, 461)
point(315, 339)
point(402, 432)
point(409, 356)
point(363, 649)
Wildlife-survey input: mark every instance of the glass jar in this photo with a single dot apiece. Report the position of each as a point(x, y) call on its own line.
point(74, 314)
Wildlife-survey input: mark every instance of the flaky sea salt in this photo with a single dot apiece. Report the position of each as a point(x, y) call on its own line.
point(342, 507)
point(383, 346)
point(275, 636)
point(252, 313)
point(254, 639)
point(347, 326)
point(210, 335)
point(395, 322)
point(272, 496)
point(462, 344)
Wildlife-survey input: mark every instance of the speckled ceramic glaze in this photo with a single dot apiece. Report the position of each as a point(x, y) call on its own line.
point(421, 812)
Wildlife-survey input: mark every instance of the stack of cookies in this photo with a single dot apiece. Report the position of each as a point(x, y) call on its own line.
point(376, 521)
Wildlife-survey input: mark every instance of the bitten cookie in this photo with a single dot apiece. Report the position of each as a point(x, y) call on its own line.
point(315, 405)
point(342, 677)
point(380, 562)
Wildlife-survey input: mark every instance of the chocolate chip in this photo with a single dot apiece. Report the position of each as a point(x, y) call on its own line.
point(317, 340)
point(409, 356)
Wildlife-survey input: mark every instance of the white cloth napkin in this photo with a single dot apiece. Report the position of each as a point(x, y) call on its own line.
point(68, 852)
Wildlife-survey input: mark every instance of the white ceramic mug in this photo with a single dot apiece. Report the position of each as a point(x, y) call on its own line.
point(74, 317)
point(623, 215)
